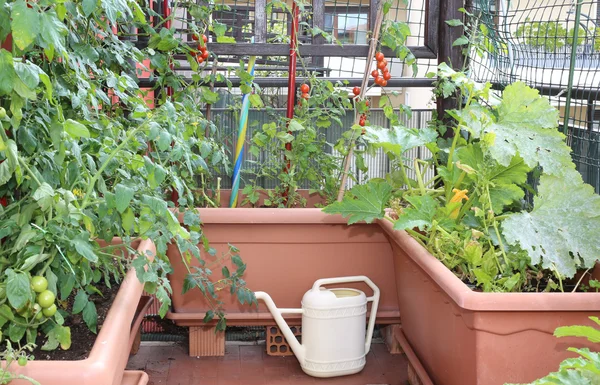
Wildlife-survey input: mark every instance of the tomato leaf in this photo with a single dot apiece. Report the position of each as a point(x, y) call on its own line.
point(81, 301)
point(18, 290)
point(25, 24)
point(75, 129)
point(123, 196)
point(90, 316)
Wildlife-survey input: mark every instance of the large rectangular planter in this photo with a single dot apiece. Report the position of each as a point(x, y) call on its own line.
point(464, 337)
point(106, 362)
point(286, 250)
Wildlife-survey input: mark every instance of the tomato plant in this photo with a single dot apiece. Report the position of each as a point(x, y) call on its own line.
point(77, 169)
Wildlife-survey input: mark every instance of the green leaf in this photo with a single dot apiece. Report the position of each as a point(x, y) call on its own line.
point(527, 126)
point(18, 290)
point(81, 301)
point(53, 32)
point(256, 101)
point(59, 335)
point(90, 316)
point(398, 139)
point(7, 72)
point(454, 22)
point(27, 74)
point(44, 196)
point(504, 181)
point(463, 40)
point(123, 196)
point(89, 6)
point(25, 24)
point(128, 220)
point(588, 332)
point(75, 129)
point(363, 202)
point(557, 232)
point(420, 215)
point(115, 9)
point(16, 332)
point(82, 245)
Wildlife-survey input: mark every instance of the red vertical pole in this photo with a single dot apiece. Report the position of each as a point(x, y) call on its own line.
point(292, 71)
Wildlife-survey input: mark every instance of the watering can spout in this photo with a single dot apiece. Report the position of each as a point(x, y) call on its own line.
point(285, 329)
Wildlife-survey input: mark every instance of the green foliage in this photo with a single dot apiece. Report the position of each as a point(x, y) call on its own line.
point(84, 159)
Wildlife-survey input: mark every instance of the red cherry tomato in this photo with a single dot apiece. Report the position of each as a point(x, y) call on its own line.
point(195, 37)
point(205, 55)
point(380, 81)
point(305, 95)
point(387, 76)
point(362, 122)
point(4, 201)
point(381, 65)
point(367, 103)
point(356, 91)
point(200, 60)
point(376, 79)
point(204, 39)
point(304, 88)
point(379, 56)
point(383, 82)
point(375, 73)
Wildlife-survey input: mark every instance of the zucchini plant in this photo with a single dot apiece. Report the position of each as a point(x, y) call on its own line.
point(472, 214)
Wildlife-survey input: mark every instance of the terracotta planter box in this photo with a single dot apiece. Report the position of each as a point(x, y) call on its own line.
point(110, 353)
point(464, 337)
point(286, 250)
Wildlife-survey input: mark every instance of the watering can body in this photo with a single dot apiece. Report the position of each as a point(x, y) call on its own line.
point(335, 336)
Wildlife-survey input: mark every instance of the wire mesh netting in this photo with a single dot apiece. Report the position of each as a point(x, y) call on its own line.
point(554, 46)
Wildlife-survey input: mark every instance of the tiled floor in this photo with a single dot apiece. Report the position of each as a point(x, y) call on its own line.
point(250, 365)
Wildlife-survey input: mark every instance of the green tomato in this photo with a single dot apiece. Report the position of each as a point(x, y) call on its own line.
point(22, 361)
point(50, 311)
point(2, 113)
point(46, 299)
point(39, 284)
point(37, 310)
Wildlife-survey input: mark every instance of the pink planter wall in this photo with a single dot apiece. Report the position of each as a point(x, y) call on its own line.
point(286, 250)
point(470, 338)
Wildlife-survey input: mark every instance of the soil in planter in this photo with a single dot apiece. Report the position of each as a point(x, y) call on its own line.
point(82, 338)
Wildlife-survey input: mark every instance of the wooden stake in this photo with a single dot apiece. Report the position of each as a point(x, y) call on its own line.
point(363, 88)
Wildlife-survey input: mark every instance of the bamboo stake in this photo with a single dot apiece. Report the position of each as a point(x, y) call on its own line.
point(363, 88)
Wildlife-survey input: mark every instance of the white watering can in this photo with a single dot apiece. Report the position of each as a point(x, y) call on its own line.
point(333, 327)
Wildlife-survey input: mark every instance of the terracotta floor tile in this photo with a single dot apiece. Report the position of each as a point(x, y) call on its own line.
point(249, 365)
point(200, 380)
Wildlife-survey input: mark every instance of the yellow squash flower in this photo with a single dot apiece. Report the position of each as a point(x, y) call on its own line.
point(459, 196)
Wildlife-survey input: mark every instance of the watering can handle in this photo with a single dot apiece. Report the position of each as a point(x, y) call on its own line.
point(374, 298)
